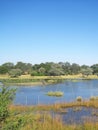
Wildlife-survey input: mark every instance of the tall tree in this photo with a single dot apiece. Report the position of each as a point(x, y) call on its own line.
point(75, 68)
point(4, 68)
point(15, 72)
point(67, 68)
point(25, 67)
point(95, 69)
point(86, 71)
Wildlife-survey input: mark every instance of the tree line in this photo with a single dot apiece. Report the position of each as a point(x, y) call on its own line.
point(47, 69)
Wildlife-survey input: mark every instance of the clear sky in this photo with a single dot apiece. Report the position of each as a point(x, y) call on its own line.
point(38, 31)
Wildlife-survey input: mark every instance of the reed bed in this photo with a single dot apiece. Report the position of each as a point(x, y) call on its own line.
point(44, 121)
point(56, 106)
point(39, 118)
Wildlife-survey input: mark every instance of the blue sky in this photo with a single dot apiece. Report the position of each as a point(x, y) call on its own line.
point(38, 31)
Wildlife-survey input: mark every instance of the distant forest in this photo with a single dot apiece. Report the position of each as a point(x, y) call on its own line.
point(47, 69)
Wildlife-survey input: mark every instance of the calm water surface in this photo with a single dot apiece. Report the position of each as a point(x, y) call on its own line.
point(78, 117)
point(33, 95)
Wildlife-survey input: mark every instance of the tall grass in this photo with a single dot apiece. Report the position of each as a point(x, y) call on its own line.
point(39, 118)
point(43, 122)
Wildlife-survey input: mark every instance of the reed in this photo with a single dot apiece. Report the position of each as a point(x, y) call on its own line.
point(40, 118)
point(44, 121)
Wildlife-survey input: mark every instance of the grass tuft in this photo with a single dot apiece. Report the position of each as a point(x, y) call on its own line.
point(55, 93)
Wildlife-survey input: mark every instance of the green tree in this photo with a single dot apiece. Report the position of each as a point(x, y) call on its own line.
point(8, 65)
point(84, 66)
point(56, 70)
point(67, 68)
point(3, 70)
point(15, 72)
point(75, 68)
point(46, 67)
point(95, 69)
point(87, 71)
point(41, 71)
point(24, 67)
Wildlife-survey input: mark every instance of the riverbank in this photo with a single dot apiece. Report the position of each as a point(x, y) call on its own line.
point(42, 80)
point(90, 103)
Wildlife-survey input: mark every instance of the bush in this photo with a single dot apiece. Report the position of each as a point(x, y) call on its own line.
point(6, 96)
point(35, 73)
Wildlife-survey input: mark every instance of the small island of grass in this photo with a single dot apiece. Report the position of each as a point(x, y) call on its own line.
point(55, 93)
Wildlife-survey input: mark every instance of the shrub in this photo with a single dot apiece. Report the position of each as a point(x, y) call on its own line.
point(6, 96)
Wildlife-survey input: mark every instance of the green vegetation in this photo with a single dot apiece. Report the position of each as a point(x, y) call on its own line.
point(55, 93)
point(15, 73)
point(38, 117)
point(6, 96)
point(42, 80)
point(43, 122)
point(47, 69)
point(18, 81)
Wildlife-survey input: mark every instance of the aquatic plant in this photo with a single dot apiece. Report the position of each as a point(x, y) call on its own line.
point(92, 98)
point(55, 93)
point(79, 98)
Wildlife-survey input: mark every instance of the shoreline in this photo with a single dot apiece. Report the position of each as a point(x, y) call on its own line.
point(85, 103)
point(42, 80)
